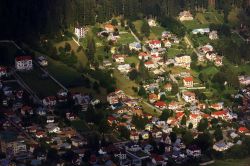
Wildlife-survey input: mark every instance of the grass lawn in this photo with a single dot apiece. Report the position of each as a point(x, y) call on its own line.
point(138, 25)
point(124, 84)
point(190, 25)
point(125, 38)
point(156, 32)
point(172, 52)
point(64, 74)
point(233, 16)
point(8, 53)
point(132, 59)
point(82, 59)
point(210, 70)
point(232, 162)
point(41, 86)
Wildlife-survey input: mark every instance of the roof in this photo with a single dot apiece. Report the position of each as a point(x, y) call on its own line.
point(219, 113)
point(179, 114)
point(109, 26)
point(155, 42)
point(23, 58)
point(188, 93)
point(143, 54)
point(243, 130)
point(3, 69)
point(149, 63)
point(160, 104)
point(188, 79)
point(168, 85)
point(152, 96)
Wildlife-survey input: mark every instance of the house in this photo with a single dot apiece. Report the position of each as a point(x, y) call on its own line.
point(201, 31)
point(213, 35)
point(23, 63)
point(149, 127)
point(188, 96)
point(134, 135)
point(26, 110)
point(41, 111)
point(50, 119)
point(49, 101)
point(161, 105)
point(135, 46)
point(221, 146)
point(167, 43)
point(12, 143)
point(188, 82)
point(244, 80)
point(243, 130)
point(40, 134)
point(166, 34)
point(193, 151)
point(111, 120)
point(70, 116)
point(211, 55)
point(109, 28)
point(224, 114)
point(194, 119)
point(206, 48)
point(218, 61)
point(3, 71)
point(182, 61)
point(150, 65)
point(168, 87)
point(143, 56)
point(185, 16)
point(173, 106)
point(125, 68)
point(119, 58)
point(152, 97)
point(80, 32)
point(152, 23)
point(217, 106)
point(54, 129)
point(155, 44)
point(155, 58)
point(42, 61)
point(145, 135)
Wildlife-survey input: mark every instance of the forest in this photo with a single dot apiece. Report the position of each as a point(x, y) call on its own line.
point(30, 19)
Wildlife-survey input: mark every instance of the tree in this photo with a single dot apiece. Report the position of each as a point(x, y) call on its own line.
point(145, 28)
point(124, 132)
point(165, 115)
point(142, 92)
point(91, 48)
point(175, 89)
point(114, 22)
point(184, 120)
point(218, 135)
point(190, 125)
point(173, 137)
point(133, 74)
point(202, 125)
point(204, 141)
point(67, 47)
point(187, 138)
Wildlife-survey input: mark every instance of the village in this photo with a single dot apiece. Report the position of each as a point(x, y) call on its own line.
point(170, 104)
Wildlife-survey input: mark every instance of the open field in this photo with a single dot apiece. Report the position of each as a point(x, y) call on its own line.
point(132, 59)
point(126, 38)
point(40, 85)
point(156, 32)
point(232, 162)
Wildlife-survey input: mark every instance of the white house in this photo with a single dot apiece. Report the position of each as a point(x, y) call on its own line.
point(23, 63)
point(149, 65)
point(119, 58)
point(185, 16)
point(49, 101)
point(188, 96)
point(54, 129)
point(155, 44)
point(3, 71)
point(80, 32)
point(124, 68)
point(135, 46)
point(193, 151)
point(151, 22)
point(143, 55)
point(213, 35)
point(42, 61)
point(188, 82)
point(182, 61)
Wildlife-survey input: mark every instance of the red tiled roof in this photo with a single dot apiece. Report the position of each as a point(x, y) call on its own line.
point(149, 63)
point(179, 114)
point(243, 130)
point(219, 113)
point(187, 93)
point(160, 104)
point(152, 96)
point(155, 42)
point(188, 79)
point(23, 58)
point(3, 69)
point(143, 54)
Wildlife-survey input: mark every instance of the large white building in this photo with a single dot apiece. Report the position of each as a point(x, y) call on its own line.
point(80, 32)
point(23, 63)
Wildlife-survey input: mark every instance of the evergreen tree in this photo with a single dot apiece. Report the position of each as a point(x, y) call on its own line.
point(145, 28)
point(91, 48)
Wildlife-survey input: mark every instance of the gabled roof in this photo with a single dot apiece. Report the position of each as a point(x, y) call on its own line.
point(23, 58)
point(188, 79)
point(160, 104)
